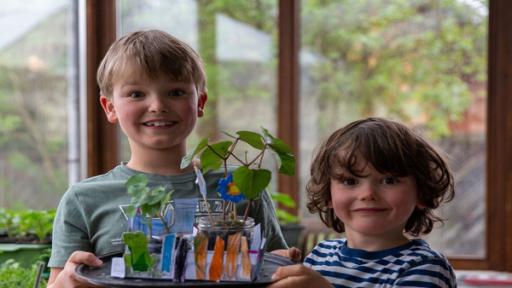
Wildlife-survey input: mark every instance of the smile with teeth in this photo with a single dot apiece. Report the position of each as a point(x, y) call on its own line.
point(159, 123)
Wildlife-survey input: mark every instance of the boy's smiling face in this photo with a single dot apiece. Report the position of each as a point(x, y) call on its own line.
point(157, 113)
point(373, 206)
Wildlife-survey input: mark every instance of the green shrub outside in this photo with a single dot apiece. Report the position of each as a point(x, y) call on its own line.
point(26, 223)
point(13, 275)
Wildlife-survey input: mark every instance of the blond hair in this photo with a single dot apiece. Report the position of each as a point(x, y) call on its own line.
point(155, 52)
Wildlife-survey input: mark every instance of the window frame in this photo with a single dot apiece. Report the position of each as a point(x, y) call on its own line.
point(102, 143)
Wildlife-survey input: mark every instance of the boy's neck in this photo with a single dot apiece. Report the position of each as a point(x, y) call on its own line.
point(158, 162)
point(375, 243)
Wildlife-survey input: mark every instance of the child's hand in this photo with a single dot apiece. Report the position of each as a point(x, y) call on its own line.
point(293, 253)
point(67, 277)
point(298, 276)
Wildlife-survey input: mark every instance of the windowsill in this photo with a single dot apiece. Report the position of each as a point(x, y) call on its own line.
point(483, 278)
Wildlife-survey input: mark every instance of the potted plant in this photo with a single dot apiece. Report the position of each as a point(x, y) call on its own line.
point(230, 234)
point(290, 226)
point(249, 179)
point(146, 206)
point(25, 234)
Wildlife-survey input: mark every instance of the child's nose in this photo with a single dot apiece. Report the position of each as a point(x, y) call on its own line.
point(369, 192)
point(157, 105)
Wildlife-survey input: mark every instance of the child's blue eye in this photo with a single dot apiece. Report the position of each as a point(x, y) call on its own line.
point(349, 181)
point(390, 180)
point(176, 92)
point(135, 94)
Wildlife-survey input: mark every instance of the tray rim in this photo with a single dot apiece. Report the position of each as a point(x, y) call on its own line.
point(139, 282)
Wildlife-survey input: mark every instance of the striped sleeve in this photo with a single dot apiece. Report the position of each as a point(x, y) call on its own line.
point(429, 272)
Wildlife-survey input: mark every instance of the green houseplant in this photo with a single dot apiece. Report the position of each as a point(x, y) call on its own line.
point(147, 204)
point(12, 274)
point(25, 234)
point(290, 226)
point(150, 206)
point(249, 179)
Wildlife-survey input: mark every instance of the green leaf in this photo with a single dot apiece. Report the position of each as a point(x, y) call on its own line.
point(287, 164)
point(267, 136)
point(141, 199)
point(283, 199)
point(136, 181)
point(279, 146)
point(221, 148)
point(129, 210)
point(252, 138)
point(284, 156)
point(211, 160)
point(285, 217)
point(187, 159)
point(251, 182)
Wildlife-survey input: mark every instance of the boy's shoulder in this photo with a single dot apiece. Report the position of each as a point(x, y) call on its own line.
point(329, 245)
point(422, 251)
point(110, 181)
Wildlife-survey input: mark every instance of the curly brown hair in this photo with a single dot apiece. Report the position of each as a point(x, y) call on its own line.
point(391, 148)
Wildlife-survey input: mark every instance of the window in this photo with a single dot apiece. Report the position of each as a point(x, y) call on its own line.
point(496, 252)
point(39, 147)
point(237, 41)
point(422, 63)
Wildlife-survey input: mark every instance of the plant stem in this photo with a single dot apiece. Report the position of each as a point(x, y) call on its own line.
point(150, 227)
point(259, 156)
point(232, 148)
point(239, 160)
point(164, 222)
point(224, 210)
point(246, 213)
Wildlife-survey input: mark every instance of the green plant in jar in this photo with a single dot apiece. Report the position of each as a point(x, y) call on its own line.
point(147, 204)
point(249, 179)
point(150, 202)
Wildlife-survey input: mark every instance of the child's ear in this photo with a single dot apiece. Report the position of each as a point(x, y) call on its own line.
point(420, 206)
point(203, 96)
point(108, 108)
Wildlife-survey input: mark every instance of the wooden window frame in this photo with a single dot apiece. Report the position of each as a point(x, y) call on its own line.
point(102, 144)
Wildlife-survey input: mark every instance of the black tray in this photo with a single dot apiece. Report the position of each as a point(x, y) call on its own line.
point(101, 276)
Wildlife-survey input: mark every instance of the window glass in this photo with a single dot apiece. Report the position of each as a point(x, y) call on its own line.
point(37, 102)
point(419, 62)
point(237, 41)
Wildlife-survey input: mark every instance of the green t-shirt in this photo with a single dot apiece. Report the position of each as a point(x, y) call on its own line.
point(89, 215)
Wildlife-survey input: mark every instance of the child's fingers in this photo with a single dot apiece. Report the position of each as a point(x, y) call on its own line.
point(290, 282)
point(295, 254)
point(87, 258)
point(280, 252)
point(67, 277)
point(289, 271)
point(298, 276)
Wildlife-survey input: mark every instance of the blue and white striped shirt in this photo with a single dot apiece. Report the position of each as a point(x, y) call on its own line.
point(414, 264)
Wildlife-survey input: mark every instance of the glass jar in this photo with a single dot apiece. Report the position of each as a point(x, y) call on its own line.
point(224, 236)
point(221, 226)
